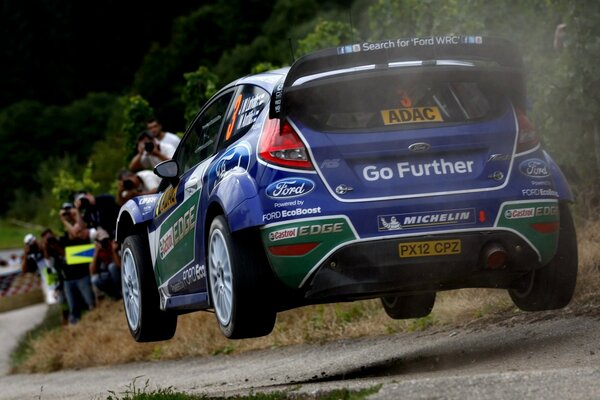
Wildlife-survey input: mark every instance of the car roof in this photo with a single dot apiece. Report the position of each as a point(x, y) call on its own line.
point(267, 80)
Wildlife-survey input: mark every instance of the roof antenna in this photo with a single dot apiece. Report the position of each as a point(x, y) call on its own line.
point(292, 50)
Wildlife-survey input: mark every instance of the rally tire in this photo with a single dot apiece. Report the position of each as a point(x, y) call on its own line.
point(238, 279)
point(552, 286)
point(411, 306)
point(146, 321)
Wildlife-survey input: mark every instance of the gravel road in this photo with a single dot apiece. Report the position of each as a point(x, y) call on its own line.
point(542, 355)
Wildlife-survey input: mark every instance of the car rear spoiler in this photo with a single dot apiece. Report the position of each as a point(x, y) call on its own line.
point(380, 55)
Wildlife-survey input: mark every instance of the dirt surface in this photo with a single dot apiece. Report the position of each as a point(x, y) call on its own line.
point(509, 356)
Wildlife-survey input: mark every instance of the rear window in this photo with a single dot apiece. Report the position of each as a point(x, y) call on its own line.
point(394, 102)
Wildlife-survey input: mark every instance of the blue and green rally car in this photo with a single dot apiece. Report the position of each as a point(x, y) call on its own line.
point(389, 170)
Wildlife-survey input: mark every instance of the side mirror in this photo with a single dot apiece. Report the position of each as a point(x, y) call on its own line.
point(167, 169)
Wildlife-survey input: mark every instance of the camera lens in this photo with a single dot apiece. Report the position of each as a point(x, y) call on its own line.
point(84, 203)
point(128, 184)
point(149, 146)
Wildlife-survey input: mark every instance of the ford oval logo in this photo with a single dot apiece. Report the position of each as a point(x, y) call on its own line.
point(534, 168)
point(419, 147)
point(290, 187)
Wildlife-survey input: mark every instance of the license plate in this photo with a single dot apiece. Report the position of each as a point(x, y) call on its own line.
point(429, 248)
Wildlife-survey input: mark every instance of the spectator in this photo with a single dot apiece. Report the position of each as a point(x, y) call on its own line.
point(75, 277)
point(131, 184)
point(105, 267)
point(71, 219)
point(97, 212)
point(33, 255)
point(150, 152)
point(155, 128)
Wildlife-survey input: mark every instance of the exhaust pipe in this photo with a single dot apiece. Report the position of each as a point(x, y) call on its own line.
point(494, 256)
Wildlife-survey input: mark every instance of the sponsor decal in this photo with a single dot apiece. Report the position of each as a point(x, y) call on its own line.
point(410, 42)
point(541, 183)
point(396, 222)
point(283, 234)
point(291, 203)
point(245, 112)
point(186, 278)
point(539, 192)
point(523, 217)
point(175, 287)
point(298, 212)
point(194, 274)
point(236, 159)
point(519, 213)
point(333, 163)
point(373, 173)
point(531, 212)
point(411, 115)
point(306, 230)
point(319, 235)
point(167, 200)
point(182, 226)
point(166, 243)
point(289, 188)
point(534, 168)
point(146, 200)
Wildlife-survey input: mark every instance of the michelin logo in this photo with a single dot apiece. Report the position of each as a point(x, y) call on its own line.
point(429, 218)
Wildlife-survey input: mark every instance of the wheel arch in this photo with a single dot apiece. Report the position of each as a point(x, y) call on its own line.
point(131, 221)
point(560, 182)
point(237, 198)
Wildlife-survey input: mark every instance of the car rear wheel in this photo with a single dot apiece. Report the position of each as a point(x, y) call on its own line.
point(553, 285)
point(237, 276)
point(146, 321)
point(411, 306)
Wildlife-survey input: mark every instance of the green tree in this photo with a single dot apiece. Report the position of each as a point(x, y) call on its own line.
point(326, 34)
point(200, 85)
point(136, 113)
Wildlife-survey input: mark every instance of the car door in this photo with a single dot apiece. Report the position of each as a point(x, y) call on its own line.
point(179, 260)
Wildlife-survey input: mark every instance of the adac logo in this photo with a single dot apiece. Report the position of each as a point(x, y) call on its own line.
point(290, 187)
point(236, 159)
point(167, 200)
point(534, 168)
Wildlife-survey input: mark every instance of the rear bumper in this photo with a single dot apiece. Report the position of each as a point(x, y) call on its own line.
point(374, 268)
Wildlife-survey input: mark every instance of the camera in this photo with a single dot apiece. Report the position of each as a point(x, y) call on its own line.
point(149, 146)
point(105, 243)
point(84, 203)
point(128, 184)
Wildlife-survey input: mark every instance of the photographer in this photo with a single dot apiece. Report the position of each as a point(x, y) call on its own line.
point(32, 254)
point(75, 278)
point(150, 152)
point(97, 211)
point(132, 184)
point(105, 267)
point(72, 222)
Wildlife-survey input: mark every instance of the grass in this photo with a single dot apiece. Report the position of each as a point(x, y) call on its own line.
point(198, 335)
point(8, 303)
point(13, 232)
point(25, 347)
point(132, 392)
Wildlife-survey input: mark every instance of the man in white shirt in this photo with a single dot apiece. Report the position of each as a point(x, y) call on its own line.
point(131, 184)
point(156, 129)
point(150, 152)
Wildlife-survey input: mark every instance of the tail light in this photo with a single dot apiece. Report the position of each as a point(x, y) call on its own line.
point(527, 137)
point(281, 145)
